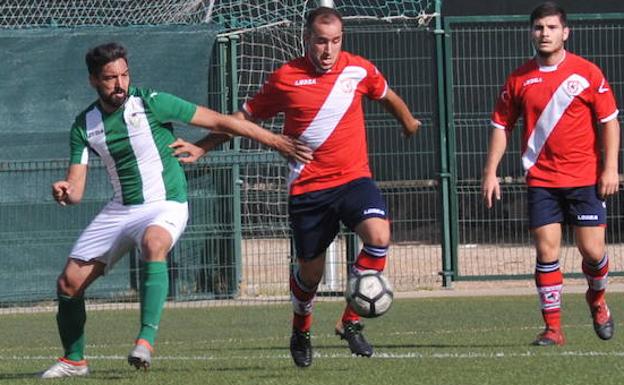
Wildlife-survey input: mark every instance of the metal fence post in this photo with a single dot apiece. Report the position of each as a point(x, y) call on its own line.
point(445, 171)
point(236, 181)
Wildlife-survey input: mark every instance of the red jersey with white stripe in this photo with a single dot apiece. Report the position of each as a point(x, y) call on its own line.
point(560, 106)
point(324, 110)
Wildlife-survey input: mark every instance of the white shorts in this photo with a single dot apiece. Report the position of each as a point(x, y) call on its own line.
point(118, 228)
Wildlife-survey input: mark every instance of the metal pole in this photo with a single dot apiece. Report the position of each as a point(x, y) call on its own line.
point(445, 175)
point(236, 180)
point(330, 277)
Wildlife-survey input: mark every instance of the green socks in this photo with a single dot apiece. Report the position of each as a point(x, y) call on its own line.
point(154, 289)
point(71, 318)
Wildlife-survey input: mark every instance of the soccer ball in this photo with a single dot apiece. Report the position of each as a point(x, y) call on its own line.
point(369, 293)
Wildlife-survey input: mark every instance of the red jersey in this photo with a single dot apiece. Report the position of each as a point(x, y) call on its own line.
point(560, 105)
point(324, 110)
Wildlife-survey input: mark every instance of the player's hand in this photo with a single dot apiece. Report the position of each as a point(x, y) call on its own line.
point(61, 191)
point(186, 152)
point(490, 190)
point(293, 149)
point(608, 184)
point(412, 128)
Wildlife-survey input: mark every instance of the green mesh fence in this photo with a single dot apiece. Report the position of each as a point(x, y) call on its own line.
point(405, 169)
point(237, 242)
point(483, 51)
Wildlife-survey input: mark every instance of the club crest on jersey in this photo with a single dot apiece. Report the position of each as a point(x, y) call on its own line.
point(347, 85)
point(573, 87)
point(305, 82)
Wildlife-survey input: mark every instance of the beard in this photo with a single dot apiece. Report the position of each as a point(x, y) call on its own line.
point(114, 99)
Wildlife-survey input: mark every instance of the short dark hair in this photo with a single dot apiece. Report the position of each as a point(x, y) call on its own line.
point(549, 8)
point(326, 14)
point(99, 56)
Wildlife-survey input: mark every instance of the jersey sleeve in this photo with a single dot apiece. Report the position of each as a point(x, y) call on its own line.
point(170, 108)
point(376, 83)
point(603, 99)
point(267, 102)
point(78, 144)
point(506, 110)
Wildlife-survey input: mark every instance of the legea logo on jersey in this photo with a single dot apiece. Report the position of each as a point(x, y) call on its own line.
point(305, 82)
point(587, 217)
point(93, 133)
point(528, 82)
point(374, 211)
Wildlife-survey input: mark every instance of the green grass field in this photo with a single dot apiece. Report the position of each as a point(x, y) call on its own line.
point(482, 340)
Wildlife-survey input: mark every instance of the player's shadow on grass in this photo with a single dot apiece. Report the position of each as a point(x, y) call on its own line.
point(18, 376)
point(343, 345)
point(425, 346)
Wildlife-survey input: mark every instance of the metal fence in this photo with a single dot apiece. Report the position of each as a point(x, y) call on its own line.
point(480, 53)
point(237, 244)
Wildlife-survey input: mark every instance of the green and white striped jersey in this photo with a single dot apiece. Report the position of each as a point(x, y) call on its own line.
point(133, 143)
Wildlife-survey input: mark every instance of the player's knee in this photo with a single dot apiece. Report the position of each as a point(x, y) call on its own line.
point(154, 249)
point(67, 286)
point(381, 239)
point(376, 233)
point(591, 254)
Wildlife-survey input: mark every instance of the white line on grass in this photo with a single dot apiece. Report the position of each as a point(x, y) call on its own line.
point(269, 339)
point(378, 355)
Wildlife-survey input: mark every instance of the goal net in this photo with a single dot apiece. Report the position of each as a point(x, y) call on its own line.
point(266, 33)
point(231, 15)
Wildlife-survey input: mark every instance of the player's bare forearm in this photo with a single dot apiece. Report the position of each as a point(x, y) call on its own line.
point(230, 125)
point(608, 184)
point(397, 107)
point(212, 141)
point(490, 187)
point(187, 152)
point(71, 190)
point(226, 124)
point(302, 153)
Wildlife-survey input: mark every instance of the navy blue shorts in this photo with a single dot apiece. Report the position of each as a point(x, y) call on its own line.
point(578, 206)
point(315, 216)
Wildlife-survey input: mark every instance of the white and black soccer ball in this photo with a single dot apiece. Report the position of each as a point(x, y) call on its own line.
point(369, 293)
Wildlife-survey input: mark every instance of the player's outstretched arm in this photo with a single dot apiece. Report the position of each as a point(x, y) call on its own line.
point(609, 182)
point(397, 107)
point(71, 190)
point(188, 152)
point(490, 188)
point(226, 124)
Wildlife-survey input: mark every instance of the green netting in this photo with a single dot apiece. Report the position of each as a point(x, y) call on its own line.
point(74, 13)
point(45, 85)
point(230, 15)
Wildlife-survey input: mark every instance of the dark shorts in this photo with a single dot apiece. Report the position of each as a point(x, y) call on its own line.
point(578, 206)
point(315, 216)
